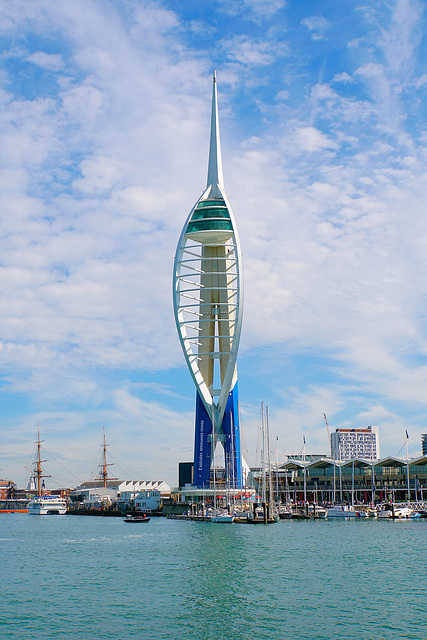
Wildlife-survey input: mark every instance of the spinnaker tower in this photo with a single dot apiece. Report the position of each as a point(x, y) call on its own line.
point(208, 314)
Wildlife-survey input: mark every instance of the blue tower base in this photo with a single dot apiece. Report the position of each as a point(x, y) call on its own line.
point(229, 429)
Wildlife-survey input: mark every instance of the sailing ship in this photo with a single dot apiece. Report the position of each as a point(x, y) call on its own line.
point(43, 504)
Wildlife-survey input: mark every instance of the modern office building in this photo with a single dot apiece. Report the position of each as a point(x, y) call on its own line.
point(424, 444)
point(347, 444)
point(208, 315)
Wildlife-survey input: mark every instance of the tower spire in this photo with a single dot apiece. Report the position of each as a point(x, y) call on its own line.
point(215, 177)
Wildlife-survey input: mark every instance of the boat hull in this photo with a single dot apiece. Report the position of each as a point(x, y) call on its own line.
point(13, 506)
point(341, 512)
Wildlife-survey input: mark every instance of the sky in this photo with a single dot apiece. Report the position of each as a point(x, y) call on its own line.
point(104, 132)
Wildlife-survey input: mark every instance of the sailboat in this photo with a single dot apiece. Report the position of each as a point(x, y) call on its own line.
point(218, 516)
point(43, 504)
point(264, 513)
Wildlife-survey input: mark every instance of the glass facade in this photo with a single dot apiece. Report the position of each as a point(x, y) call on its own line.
point(210, 215)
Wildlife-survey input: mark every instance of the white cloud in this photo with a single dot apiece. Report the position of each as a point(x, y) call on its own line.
point(310, 139)
point(344, 77)
point(248, 51)
point(316, 25)
point(50, 61)
point(257, 9)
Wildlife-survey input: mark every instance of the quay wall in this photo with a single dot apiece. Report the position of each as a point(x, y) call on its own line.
point(107, 513)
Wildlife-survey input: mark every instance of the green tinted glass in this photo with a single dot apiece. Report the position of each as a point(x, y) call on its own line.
point(210, 213)
point(211, 203)
point(209, 225)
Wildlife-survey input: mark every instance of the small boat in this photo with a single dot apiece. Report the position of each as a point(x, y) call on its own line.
point(285, 511)
point(341, 511)
point(396, 512)
point(222, 517)
point(135, 518)
point(385, 511)
point(262, 514)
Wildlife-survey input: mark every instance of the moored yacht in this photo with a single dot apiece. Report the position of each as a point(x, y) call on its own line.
point(341, 511)
point(222, 517)
point(396, 512)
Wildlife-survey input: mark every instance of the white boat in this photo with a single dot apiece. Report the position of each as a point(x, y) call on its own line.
point(222, 517)
point(341, 511)
point(385, 511)
point(47, 506)
point(396, 512)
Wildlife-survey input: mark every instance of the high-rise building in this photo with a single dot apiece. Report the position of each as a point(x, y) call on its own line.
point(208, 315)
point(424, 444)
point(347, 444)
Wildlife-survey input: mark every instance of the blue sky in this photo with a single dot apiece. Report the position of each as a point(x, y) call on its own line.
point(104, 129)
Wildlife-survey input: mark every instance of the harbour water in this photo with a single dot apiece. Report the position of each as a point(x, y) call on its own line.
point(79, 578)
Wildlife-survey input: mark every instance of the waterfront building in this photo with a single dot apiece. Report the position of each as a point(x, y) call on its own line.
point(355, 443)
point(150, 500)
point(99, 492)
point(7, 489)
point(208, 314)
point(327, 480)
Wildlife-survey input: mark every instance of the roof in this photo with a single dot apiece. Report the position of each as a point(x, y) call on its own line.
point(321, 463)
point(294, 464)
point(359, 462)
point(419, 462)
point(390, 462)
point(94, 484)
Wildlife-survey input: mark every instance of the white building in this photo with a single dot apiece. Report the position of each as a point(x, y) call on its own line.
point(94, 493)
point(347, 444)
point(148, 500)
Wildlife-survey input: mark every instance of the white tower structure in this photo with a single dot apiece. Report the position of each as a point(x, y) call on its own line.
point(208, 314)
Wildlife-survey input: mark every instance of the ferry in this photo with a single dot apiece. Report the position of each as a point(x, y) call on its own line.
point(47, 506)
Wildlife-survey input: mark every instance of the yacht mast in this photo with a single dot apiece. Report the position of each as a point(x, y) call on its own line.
point(264, 489)
point(270, 487)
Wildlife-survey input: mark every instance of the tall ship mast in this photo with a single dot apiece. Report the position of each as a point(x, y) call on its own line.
point(208, 314)
point(38, 470)
point(103, 475)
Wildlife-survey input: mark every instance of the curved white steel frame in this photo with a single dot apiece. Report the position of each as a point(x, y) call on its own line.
point(208, 306)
